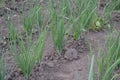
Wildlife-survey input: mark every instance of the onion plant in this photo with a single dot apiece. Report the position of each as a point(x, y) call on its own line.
point(86, 13)
point(13, 34)
point(34, 16)
point(67, 4)
point(57, 28)
point(108, 9)
point(39, 18)
point(91, 72)
point(2, 68)
point(0, 38)
point(117, 7)
point(2, 3)
point(105, 73)
point(26, 53)
point(114, 49)
point(58, 33)
point(29, 21)
point(109, 60)
point(40, 44)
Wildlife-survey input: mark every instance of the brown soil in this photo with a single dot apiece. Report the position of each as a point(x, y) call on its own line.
point(71, 65)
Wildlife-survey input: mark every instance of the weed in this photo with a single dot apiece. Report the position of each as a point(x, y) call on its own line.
point(98, 24)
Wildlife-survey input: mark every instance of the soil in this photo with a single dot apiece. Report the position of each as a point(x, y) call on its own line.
point(74, 62)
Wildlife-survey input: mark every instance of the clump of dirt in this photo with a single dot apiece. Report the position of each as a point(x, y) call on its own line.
point(1, 11)
point(102, 3)
point(116, 17)
point(17, 7)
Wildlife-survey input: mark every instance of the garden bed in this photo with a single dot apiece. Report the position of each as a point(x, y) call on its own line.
point(74, 61)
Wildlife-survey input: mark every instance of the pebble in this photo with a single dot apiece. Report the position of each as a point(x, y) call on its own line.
point(50, 64)
point(71, 54)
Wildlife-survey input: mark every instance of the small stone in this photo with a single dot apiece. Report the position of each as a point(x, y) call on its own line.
point(80, 69)
point(71, 54)
point(50, 64)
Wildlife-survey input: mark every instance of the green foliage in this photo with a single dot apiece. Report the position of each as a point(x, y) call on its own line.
point(27, 53)
point(39, 47)
point(2, 68)
point(39, 18)
point(108, 9)
point(114, 49)
point(108, 60)
point(13, 35)
point(34, 16)
point(57, 28)
point(1, 3)
point(58, 34)
point(77, 29)
point(117, 7)
point(91, 72)
point(28, 22)
point(117, 2)
point(80, 13)
point(98, 24)
point(67, 4)
point(86, 12)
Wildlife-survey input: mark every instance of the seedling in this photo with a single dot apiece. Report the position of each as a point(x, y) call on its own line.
point(91, 72)
point(108, 9)
point(108, 60)
point(57, 28)
point(2, 68)
point(39, 47)
point(58, 34)
point(84, 17)
point(1, 3)
point(13, 35)
point(115, 47)
point(67, 5)
point(27, 53)
point(28, 22)
point(39, 18)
